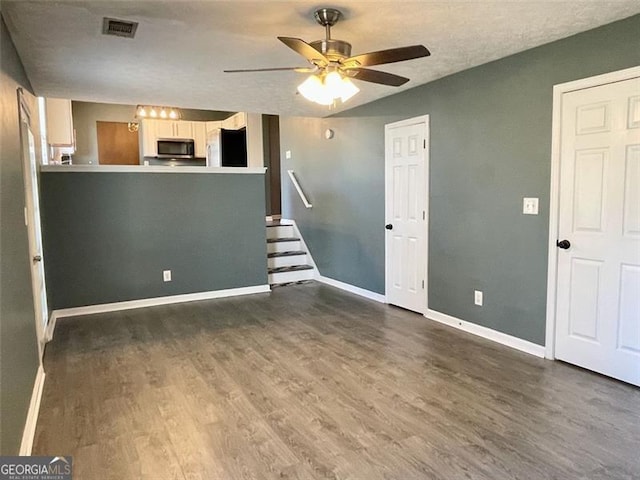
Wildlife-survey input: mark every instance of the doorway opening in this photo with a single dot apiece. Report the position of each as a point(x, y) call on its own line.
point(271, 146)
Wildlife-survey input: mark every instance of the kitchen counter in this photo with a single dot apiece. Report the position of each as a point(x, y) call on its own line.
point(149, 169)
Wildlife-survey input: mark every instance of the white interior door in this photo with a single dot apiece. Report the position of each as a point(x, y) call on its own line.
point(406, 156)
point(32, 219)
point(598, 283)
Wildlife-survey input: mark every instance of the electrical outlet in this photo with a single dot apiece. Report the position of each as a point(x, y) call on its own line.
point(477, 297)
point(530, 206)
point(166, 275)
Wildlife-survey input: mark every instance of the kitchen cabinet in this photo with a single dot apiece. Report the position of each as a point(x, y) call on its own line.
point(212, 127)
point(174, 129)
point(164, 129)
point(235, 122)
point(183, 129)
point(59, 122)
point(200, 138)
point(149, 138)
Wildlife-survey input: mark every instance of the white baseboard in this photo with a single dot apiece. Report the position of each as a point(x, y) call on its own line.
point(352, 289)
point(488, 333)
point(28, 435)
point(150, 302)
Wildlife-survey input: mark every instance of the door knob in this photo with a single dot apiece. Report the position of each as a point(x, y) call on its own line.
point(388, 226)
point(564, 244)
point(37, 258)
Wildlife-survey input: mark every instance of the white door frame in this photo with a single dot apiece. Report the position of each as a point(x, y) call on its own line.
point(554, 202)
point(387, 263)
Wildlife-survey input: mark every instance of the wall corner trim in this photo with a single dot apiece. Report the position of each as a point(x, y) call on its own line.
point(484, 332)
point(352, 289)
point(150, 302)
point(28, 435)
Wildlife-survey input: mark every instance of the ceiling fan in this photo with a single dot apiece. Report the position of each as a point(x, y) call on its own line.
point(332, 65)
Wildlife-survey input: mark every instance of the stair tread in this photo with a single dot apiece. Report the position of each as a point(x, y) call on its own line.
point(292, 268)
point(286, 254)
point(283, 239)
point(278, 224)
point(286, 284)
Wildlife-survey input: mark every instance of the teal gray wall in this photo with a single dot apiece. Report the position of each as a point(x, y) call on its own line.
point(109, 236)
point(490, 147)
point(86, 114)
point(18, 348)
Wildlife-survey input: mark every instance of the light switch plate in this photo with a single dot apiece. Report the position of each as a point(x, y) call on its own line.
point(287, 154)
point(477, 297)
point(530, 206)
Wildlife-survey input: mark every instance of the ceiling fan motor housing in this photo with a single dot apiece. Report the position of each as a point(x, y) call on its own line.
point(332, 49)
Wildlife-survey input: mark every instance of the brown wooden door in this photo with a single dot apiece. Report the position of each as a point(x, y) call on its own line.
point(117, 145)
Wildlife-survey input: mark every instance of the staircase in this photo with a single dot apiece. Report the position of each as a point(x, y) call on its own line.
point(286, 260)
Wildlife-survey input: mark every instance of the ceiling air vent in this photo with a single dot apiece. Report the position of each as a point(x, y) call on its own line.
point(119, 28)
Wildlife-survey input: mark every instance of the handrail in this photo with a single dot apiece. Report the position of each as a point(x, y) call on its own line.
point(300, 192)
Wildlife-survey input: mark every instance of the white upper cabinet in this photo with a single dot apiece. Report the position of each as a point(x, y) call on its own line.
point(200, 138)
point(183, 129)
point(212, 127)
point(164, 128)
point(235, 122)
point(59, 122)
point(149, 138)
point(174, 129)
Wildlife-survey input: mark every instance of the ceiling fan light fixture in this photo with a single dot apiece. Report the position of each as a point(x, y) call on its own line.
point(328, 89)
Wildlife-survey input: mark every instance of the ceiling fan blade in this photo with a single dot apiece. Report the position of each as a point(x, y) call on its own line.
point(306, 50)
point(386, 56)
point(279, 69)
point(375, 76)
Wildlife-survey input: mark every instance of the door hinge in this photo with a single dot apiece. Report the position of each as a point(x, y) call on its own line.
point(423, 284)
point(423, 215)
point(424, 143)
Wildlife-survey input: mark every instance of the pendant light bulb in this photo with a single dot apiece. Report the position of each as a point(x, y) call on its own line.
point(333, 83)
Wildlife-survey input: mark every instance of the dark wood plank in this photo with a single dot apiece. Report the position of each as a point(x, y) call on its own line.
point(311, 382)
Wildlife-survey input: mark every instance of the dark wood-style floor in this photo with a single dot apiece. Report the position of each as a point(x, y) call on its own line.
point(310, 382)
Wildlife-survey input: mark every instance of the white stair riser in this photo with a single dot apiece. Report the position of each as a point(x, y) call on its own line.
point(283, 246)
point(280, 232)
point(276, 262)
point(283, 277)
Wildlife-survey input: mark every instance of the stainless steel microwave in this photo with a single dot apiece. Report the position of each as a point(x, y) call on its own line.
point(176, 148)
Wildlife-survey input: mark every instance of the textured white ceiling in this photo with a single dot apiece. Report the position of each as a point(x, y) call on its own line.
point(181, 47)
